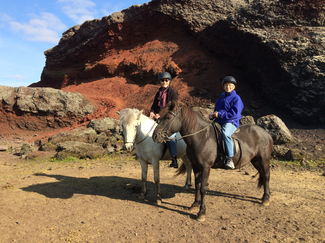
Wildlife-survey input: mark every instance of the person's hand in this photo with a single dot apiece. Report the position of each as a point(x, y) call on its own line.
point(213, 115)
point(152, 115)
point(157, 116)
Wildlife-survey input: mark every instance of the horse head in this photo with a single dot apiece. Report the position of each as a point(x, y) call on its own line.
point(168, 124)
point(130, 122)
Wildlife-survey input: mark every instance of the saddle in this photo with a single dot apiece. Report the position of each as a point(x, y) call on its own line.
point(219, 162)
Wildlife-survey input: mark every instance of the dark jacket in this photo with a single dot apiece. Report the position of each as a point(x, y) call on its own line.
point(171, 95)
point(229, 108)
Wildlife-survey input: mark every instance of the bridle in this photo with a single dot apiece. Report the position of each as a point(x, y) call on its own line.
point(167, 128)
point(136, 132)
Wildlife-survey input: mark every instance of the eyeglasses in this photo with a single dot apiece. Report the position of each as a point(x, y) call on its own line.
point(164, 80)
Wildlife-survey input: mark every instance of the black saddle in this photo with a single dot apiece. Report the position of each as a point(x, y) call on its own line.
point(219, 162)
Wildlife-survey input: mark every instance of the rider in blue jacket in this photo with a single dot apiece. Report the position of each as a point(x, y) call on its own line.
point(227, 112)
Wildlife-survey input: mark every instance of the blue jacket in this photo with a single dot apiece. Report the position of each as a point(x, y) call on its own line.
point(229, 108)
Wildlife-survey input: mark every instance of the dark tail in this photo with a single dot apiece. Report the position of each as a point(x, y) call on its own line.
point(261, 178)
point(181, 170)
point(260, 181)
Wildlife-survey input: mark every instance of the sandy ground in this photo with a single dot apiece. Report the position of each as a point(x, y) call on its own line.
point(97, 201)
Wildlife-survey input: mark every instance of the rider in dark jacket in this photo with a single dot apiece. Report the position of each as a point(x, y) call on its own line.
point(227, 112)
point(162, 97)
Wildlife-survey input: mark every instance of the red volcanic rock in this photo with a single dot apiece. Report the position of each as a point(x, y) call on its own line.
point(39, 108)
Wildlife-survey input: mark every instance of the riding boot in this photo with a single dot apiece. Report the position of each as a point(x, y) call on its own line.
point(229, 164)
point(174, 162)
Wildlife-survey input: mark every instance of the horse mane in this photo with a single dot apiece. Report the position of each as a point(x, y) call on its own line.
point(128, 115)
point(189, 116)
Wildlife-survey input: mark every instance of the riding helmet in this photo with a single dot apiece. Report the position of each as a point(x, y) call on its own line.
point(229, 79)
point(164, 75)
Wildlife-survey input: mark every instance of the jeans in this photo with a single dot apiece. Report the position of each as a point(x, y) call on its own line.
point(172, 146)
point(227, 130)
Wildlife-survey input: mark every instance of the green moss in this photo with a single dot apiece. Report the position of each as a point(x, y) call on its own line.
point(68, 159)
point(296, 163)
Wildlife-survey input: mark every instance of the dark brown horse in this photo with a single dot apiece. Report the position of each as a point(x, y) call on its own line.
point(203, 148)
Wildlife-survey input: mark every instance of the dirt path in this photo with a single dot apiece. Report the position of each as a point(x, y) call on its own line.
point(96, 201)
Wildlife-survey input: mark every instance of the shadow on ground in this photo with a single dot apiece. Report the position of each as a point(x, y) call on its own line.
point(116, 188)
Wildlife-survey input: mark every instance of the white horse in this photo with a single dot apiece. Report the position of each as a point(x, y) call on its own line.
point(137, 131)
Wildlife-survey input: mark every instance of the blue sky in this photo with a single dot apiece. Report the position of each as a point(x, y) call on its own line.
point(28, 28)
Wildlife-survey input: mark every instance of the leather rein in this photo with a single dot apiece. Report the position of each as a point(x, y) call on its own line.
point(147, 135)
point(165, 130)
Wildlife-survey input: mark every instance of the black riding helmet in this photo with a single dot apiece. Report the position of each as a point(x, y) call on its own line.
point(229, 79)
point(164, 75)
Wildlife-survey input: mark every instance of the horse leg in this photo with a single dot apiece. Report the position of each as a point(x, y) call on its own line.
point(262, 166)
point(144, 171)
point(155, 166)
point(204, 186)
point(266, 180)
point(197, 201)
point(188, 166)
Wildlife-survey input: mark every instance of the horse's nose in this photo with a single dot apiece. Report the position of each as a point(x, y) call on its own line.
point(129, 146)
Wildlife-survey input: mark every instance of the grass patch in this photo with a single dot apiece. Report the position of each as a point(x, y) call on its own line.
point(65, 160)
point(298, 164)
point(120, 156)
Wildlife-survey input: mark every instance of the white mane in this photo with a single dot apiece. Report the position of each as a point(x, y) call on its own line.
point(128, 115)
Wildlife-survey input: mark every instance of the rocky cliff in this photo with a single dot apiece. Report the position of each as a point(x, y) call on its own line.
point(39, 108)
point(274, 48)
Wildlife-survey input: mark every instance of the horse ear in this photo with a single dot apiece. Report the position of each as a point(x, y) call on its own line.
point(117, 112)
point(139, 114)
point(173, 105)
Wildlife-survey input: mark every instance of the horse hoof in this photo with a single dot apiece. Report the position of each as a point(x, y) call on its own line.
point(187, 187)
point(201, 218)
point(158, 202)
point(141, 197)
point(266, 203)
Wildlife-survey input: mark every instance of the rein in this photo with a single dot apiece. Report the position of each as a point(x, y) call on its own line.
point(188, 135)
point(146, 135)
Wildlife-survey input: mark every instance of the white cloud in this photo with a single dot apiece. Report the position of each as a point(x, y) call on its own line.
point(4, 19)
point(40, 28)
point(17, 76)
point(79, 10)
